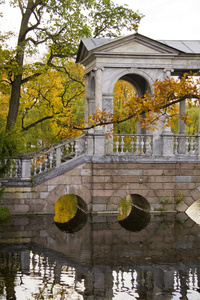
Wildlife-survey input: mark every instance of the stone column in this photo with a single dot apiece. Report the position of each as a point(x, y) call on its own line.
point(99, 133)
point(181, 139)
point(163, 139)
point(98, 88)
point(86, 109)
point(108, 105)
point(181, 122)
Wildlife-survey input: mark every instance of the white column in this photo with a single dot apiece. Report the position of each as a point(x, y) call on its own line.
point(98, 88)
point(86, 110)
point(181, 112)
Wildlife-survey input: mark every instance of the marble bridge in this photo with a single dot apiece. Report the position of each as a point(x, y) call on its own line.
point(156, 167)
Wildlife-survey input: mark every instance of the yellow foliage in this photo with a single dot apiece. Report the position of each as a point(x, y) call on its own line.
point(65, 208)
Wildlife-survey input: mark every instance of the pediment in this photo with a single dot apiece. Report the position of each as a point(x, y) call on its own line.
point(136, 47)
point(134, 44)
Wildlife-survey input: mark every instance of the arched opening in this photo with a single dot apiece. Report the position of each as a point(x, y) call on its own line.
point(134, 212)
point(70, 213)
point(123, 91)
point(126, 88)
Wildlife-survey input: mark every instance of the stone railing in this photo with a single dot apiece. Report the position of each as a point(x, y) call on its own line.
point(25, 166)
point(138, 145)
point(186, 144)
point(180, 145)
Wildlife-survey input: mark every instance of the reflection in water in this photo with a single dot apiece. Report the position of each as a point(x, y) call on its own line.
point(70, 213)
point(136, 220)
point(134, 212)
point(101, 261)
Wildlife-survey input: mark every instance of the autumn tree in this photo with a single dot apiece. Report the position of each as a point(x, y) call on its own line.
point(59, 25)
point(48, 103)
point(148, 109)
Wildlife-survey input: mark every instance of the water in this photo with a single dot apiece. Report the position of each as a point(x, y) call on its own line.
point(101, 260)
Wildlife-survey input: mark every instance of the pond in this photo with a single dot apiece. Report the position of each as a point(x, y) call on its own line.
point(100, 259)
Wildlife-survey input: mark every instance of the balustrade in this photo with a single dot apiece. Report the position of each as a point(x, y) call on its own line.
point(49, 158)
point(138, 144)
point(52, 157)
point(186, 144)
point(14, 168)
point(43, 160)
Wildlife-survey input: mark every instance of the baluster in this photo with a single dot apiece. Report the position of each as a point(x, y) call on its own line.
point(148, 145)
point(67, 148)
point(142, 144)
point(16, 168)
point(72, 147)
point(11, 169)
point(137, 144)
point(40, 164)
point(117, 145)
point(175, 145)
point(46, 163)
point(122, 144)
point(187, 145)
point(76, 147)
point(132, 143)
point(196, 146)
point(191, 145)
point(51, 159)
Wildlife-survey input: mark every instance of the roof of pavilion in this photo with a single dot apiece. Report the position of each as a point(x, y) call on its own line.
point(183, 46)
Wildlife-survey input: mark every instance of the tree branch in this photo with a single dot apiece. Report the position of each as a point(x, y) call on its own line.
point(36, 123)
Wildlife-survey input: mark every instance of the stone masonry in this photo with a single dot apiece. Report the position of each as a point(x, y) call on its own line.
point(166, 186)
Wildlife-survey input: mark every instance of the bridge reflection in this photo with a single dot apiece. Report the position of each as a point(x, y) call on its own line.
point(102, 260)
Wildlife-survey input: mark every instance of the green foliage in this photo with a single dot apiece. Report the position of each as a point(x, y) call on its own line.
point(164, 201)
point(178, 197)
point(11, 143)
point(4, 214)
point(192, 124)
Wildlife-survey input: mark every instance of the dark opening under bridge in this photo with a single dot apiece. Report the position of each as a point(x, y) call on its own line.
point(158, 166)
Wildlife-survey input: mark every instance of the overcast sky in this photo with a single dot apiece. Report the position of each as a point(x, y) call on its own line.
point(168, 19)
point(164, 19)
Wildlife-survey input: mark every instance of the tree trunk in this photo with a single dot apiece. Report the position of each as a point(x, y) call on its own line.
point(14, 102)
point(16, 83)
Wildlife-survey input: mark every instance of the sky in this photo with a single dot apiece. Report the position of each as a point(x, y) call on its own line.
point(168, 19)
point(164, 19)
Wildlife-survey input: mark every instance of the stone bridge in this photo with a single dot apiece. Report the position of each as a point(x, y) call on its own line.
point(158, 166)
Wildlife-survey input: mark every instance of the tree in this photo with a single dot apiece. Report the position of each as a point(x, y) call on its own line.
point(60, 25)
point(49, 102)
